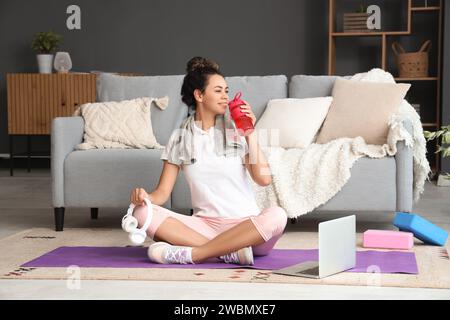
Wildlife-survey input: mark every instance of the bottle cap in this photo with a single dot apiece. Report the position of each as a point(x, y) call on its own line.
point(236, 101)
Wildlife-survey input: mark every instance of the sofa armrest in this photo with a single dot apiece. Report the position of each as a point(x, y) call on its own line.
point(66, 134)
point(405, 173)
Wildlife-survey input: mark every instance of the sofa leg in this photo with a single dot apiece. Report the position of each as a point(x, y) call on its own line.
point(293, 220)
point(59, 219)
point(94, 213)
point(191, 211)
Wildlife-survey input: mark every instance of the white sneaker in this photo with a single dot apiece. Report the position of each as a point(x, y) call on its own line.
point(243, 257)
point(165, 253)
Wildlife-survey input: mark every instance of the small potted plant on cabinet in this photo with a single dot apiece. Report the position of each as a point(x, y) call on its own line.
point(45, 43)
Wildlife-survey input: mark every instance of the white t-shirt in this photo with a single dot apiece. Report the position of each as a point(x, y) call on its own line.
point(219, 185)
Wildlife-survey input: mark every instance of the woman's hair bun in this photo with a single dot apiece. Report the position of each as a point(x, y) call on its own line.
point(201, 63)
point(198, 72)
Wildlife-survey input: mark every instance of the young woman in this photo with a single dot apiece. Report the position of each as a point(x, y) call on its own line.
point(227, 222)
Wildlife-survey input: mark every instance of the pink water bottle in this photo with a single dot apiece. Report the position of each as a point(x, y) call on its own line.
point(243, 122)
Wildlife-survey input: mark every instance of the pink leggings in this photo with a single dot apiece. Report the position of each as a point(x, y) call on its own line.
point(270, 223)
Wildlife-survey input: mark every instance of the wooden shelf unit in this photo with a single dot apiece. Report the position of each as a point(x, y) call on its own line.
point(437, 8)
point(333, 35)
point(369, 34)
point(417, 79)
point(428, 125)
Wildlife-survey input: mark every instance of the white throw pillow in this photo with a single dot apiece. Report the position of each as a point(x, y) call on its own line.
point(119, 124)
point(292, 123)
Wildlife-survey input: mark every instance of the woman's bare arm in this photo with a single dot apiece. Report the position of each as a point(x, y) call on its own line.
point(256, 162)
point(164, 188)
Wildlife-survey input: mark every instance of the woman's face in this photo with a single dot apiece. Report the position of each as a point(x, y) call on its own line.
point(215, 97)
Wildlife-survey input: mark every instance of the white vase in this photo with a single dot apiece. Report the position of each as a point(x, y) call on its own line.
point(62, 62)
point(45, 63)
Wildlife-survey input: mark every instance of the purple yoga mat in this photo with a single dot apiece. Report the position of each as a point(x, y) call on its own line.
point(136, 257)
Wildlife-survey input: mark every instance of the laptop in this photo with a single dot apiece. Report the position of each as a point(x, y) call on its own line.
point(337, 251)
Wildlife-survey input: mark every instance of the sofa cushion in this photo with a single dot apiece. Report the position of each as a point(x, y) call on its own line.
point(362, 191)
point(258, 90)
point(362, 109)
point(112, 87)
point(119, 124)
point(306, 86)
point(105, 178)
point(292, 123)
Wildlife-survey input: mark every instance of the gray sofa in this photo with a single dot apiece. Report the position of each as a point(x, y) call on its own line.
point(104, 178)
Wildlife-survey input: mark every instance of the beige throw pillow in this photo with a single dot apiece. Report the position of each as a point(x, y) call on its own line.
point(119, 124)
point(362, 109)
point(292, 123)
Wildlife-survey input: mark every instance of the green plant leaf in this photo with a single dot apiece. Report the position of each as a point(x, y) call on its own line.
point(45, 42)
point(446, 138)
point(439, 133)
point(446, 152)
point(431, 136)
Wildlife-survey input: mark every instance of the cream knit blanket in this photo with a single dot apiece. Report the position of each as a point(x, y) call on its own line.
point(304, 179)
point(119, 124)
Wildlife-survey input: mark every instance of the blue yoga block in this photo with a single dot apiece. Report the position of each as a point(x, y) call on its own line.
point(422, 229)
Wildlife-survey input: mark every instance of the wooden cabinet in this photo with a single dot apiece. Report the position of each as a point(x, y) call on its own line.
point(35, 99)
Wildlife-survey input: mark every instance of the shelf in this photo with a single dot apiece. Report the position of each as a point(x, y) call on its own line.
point(32, 157)
point(425, 8)
point(429, 125)
point(370, 34)
point(36, 154)
point(417, 79)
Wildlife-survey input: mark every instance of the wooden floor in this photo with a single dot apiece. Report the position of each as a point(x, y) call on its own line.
point(25, 202)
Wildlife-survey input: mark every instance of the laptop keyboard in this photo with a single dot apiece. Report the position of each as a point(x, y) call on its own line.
point(314, 271)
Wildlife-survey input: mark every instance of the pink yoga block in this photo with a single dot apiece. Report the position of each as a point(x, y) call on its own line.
point(388, 239)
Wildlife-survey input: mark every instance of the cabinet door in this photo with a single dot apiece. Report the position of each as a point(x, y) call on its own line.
point(35, 99)
point(20, 102)
point(76, 89)
point(64, 93)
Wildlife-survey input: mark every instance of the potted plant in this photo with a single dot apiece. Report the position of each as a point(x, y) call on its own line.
point(45, 43)
point(362, 8)
point(444, 134)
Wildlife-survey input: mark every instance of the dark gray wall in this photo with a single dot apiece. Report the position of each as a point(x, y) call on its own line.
point(158, 37)
point(446, 80)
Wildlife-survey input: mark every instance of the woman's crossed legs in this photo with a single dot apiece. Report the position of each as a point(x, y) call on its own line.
point(213, 237)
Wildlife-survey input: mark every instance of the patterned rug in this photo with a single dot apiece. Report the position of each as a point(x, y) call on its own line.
point(433, 262)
